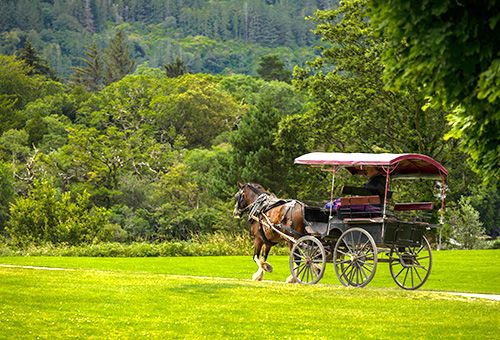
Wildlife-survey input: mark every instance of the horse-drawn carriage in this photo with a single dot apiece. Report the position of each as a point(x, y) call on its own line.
point(357, 231)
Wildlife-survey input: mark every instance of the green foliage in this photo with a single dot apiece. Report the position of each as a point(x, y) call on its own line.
point(215, 244)
point(465, 224)
point(239, 31)
point(14, 143)
point(486, 200)
point(45, 217)
point(91, 74)
point(175, 68)
point(37, 64)
point(353, 111)
point(16, 87)
point(7, 192)
point(272, 68)
point(118, 61)
point(450, 50)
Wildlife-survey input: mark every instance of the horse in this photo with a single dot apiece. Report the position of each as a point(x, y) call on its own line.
point(287, 214)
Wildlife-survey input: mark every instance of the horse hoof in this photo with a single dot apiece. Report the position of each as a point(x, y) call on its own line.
point(267, 267)
point(257, 276)
point(290, 279)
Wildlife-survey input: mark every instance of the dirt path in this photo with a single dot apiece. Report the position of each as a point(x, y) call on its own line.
point(471, 295)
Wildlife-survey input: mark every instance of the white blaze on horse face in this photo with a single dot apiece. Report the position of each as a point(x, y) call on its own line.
point(237, 212)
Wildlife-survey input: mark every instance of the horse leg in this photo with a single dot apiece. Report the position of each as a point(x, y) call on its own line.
point(265, 253)
point(257, 246)
point(291, 279)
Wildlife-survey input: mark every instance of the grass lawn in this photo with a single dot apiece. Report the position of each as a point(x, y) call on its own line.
point(138, 297)
point(129, 304)
point(474, 271)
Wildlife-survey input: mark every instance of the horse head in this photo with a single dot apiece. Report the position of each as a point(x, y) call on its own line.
point(246, 195)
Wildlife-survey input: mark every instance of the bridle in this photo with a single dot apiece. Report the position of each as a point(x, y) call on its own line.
point(239, 198)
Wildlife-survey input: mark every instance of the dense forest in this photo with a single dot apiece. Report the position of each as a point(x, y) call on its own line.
point(211, 36)
point(135, 120)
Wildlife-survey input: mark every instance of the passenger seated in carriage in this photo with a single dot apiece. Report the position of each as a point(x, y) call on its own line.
point(375, 184)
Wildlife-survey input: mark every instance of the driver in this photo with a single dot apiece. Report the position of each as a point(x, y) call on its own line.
point(376, 181)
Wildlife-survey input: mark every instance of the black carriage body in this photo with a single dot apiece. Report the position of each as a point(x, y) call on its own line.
point(386, 233)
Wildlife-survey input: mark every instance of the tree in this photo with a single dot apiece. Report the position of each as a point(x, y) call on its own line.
point(451, 50)
point(7, 192)
point(118, 62)
point(37, 64)
point(465, 223)
point(16, 86)
point(352, 111)
point(91, 74)
point(272, 68)
point(44, 216)
point(175, 68)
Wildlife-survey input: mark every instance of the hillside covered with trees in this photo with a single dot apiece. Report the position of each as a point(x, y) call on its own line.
point(210, 36)
point(135, 120)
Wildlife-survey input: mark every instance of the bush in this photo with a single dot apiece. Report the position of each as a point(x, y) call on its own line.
point(217, 244)
point(43, 217)
point(463, 222)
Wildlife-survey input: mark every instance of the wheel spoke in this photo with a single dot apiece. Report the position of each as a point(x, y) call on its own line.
point(419, 277)
point(301, 271)
point(349, 250)
point(302, 251)
point(396, 276)
point(344, 272)
point(364, 273)
point(421, 248)
point(342, 262)
point(340, 251)
point(368, 269)
point(406, 276)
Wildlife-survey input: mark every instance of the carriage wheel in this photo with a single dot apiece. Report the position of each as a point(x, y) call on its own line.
point(308, 260)
point(411, 266)
point(355, 257)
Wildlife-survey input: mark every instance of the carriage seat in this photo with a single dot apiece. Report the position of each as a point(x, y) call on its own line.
point(316, 220)
point(360, 207)
point(414, 206)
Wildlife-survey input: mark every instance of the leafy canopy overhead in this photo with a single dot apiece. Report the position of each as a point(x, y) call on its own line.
point(450, 49)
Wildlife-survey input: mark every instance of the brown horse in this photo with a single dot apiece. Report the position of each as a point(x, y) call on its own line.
point(287, 215)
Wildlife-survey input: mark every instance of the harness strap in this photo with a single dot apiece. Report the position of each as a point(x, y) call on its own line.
point(290, 230)
point(264, 237)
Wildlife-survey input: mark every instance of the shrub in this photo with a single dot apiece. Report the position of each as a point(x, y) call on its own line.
point(466, 228)
point(43, 217)
point(217, 244)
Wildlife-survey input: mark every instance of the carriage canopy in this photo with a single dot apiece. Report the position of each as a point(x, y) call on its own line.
point(401, 165)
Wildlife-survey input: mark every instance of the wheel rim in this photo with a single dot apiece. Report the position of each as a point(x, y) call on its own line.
point(355, 258)
point(411, 266)
point(307, 260)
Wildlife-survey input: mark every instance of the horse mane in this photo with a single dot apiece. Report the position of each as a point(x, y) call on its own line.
point(257, 188)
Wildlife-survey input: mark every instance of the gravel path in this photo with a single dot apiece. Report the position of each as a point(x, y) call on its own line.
point(472, 295)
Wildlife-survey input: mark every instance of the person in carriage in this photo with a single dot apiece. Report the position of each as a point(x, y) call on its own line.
point(375, 185)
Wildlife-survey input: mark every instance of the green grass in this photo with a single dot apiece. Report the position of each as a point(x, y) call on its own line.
point(129, 304)
point(460, 270)
point(138, 297)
